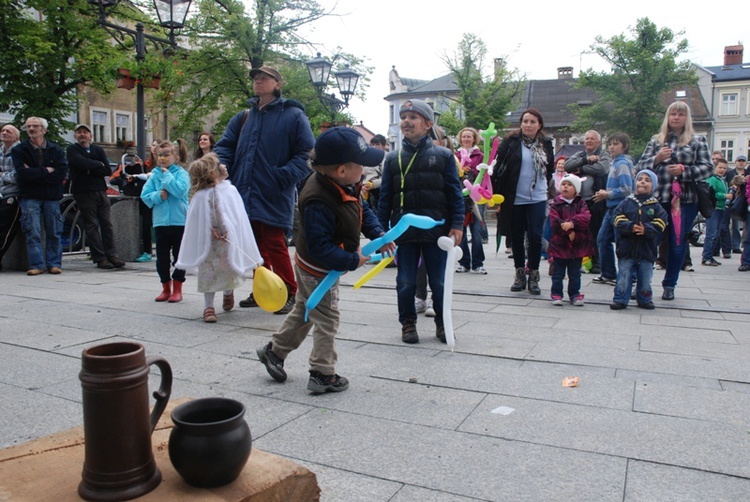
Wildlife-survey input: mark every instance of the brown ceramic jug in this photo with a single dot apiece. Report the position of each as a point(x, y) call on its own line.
point(119, 462)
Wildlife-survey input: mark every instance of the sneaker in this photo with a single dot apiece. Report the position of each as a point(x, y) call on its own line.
point(668, 294)
point(479, 270)
point(710, 263)
point(209, 315)
point(617, 306)
point(116, 262)
point(461, 269)
point(744, 267)
point(603, 280)
point(647, 306)
point(273, 363)
point(228, 302)
point(659, 266)
point(688, 268)
point(727, 256)
point(430, 312)
point(557, 300)
point(288, 306)
point(409, 332)
point(485, 240)
point(577, 300)
point(320, 383)
point(508, 251)
point(144, 257)
point(104, 264)
point(420, 305)
point(249, 302)
point(440, 333)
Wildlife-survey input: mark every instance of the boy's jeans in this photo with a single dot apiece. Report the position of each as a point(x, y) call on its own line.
point(712, 233)
point(434, 260)
point(573, 266)
point(33, 212)
point(604, 240)
point(643, 270)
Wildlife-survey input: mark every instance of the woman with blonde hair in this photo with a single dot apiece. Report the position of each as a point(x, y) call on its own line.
point(680, 159)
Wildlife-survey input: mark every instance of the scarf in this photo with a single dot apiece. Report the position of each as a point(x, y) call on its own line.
point(538, 158)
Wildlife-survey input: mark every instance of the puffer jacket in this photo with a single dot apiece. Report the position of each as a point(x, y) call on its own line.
point(577, 212)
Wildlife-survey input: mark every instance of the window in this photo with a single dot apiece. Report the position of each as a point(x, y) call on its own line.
point(100, 124)
point(393, 114)
point(123, 127)
point(726, 146)
point(728, 104)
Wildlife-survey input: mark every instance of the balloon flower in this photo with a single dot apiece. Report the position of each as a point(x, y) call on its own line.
point(406, 221)
point(454, 253)
point(269, 290)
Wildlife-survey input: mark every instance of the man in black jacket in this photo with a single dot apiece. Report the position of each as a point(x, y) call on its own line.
point(88, 167)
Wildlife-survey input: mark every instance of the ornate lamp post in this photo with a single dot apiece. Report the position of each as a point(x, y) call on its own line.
point(346, 80)
point(172, 14)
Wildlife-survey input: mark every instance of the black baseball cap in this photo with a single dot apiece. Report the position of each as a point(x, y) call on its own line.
point(339, 145)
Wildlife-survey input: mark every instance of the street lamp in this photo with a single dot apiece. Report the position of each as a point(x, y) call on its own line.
point(172, 14)
point(346, 80)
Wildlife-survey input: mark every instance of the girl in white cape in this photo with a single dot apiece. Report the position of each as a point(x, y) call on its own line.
point(218, 244)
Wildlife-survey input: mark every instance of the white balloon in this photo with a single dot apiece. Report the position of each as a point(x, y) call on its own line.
point(445, 243)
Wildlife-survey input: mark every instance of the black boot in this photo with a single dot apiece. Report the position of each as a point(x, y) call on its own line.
point(534, 282)
point(520, 282)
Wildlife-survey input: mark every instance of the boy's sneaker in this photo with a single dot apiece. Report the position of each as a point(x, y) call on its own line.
point(557, 300)
point(617, 306)
point(273, 363)
point(710, 263)
point(440, 333)
point(288, 306)
point(577, 300)
point(461, 269)
point(409, 332)
point(603, 280)
point(420, 305)
point(249, 302)
point(320, 383)
point(430, 312)
point(647, 306)
point(144, 257)
point(479, 270)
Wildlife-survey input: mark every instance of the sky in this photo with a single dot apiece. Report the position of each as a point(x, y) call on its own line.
point(535, 37)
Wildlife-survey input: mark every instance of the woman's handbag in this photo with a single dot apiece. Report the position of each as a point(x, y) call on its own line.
point(706, 198)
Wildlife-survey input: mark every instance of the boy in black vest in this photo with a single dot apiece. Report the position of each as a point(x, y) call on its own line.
point(332, 215)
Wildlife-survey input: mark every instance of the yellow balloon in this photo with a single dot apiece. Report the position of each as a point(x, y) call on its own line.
point(372, 273)
point(269, 290)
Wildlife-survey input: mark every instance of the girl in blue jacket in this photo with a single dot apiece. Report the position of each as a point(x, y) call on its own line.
point(166, 192)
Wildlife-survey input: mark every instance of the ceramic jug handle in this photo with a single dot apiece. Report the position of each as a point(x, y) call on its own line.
point(165, 388)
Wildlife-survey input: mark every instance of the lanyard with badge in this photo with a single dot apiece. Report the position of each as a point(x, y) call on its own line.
point(404, 173)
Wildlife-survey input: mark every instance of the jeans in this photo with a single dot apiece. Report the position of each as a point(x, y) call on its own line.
point(736, 234)
point(434, 260)
point(712, 234)
point(676, 253)
point(33, 213)
point(475, 258)
point(643, 271)
point(573, 267)
point(604, 240)
point(528, 219)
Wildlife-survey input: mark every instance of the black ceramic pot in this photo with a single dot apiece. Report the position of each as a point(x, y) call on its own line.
point(210, 442)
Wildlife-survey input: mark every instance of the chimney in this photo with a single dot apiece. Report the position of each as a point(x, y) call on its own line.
point(564, 72)
point(733, 54)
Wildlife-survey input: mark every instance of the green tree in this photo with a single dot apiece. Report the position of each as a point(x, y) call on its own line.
point(229, 37)
point(45, 58)
point(482, 99)
point(644, 67)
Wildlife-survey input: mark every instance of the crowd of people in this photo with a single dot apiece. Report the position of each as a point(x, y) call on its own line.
point(229, 210)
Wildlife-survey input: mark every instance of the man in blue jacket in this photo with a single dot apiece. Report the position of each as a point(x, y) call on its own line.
point(265, 150)
point(41, 169)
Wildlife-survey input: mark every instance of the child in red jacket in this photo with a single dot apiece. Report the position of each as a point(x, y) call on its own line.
point(571, 239)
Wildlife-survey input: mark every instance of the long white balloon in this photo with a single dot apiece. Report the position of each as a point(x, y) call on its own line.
point(454, 254)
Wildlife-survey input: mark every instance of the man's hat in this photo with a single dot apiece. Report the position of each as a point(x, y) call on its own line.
point(85, 126)
point(339, 145)
point(271, 72)
point(419, 106)
point(742, 157)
